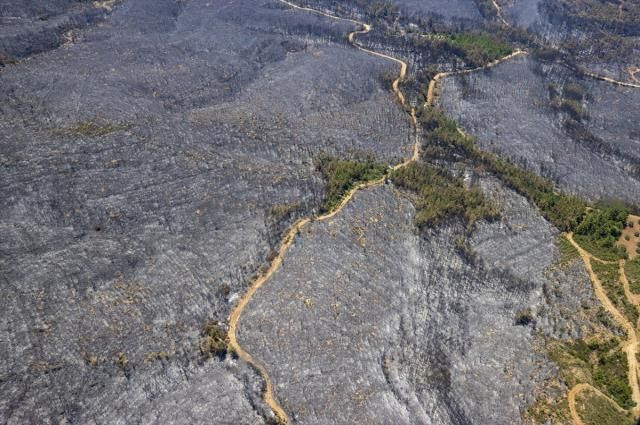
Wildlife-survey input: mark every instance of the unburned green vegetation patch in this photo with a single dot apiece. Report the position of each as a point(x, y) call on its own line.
point(632, 270)
point(599, 231)
point(606, 319)
point(475, 48)
point(597, 362)
point(479, 48)
point(564, 211)
point(214, 341)
point(546, 409)
point(596, 230)
point(568, 100)
point(443, 140)
point(603, 251)
point(611, 374)
point(598, 15)
point(566, 251)
point(597, 410)
point(609, 276)
point(442, 196)
point(342, 175)
point(281, 211)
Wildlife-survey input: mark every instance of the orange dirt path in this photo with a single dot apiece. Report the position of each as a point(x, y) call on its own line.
point(234, 318)
point(630, 347)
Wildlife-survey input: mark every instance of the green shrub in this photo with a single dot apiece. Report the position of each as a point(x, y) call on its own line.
point(566, 250)
point(477, 48)
point(601, 227)
point(573, 91)
point(601, 249)
point(632, 271)
point(214, 341)
point(442, 138)
point(281, 211)
point(582, 349)
point(342, 175)
point(596, 361)
point(604, 223)
point(599, 232)
point(444, 141)
point(608, 275)
point(611, 376)
point(597, 410)
point(442, 196)
point(564, 211)
point(607, 320)
point(573, 108)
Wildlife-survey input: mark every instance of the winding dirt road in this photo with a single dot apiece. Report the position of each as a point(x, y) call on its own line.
point(577, 389)
point(630, 347)
point(582, 70)
point(435, 80)
point(610, 80)
point(269, 393)
point(499, 13)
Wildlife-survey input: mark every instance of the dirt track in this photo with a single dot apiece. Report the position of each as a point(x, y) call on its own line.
point(433, 83)
point(630, 347)
point(269, 393)
point(632, 70)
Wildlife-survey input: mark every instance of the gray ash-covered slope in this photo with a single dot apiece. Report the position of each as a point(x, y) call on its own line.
point(602, 37)
point(448, 9)
point(509, 109)
point(370, 322)
point(139, 166)
point(523, 13)
point(443, 11)
point(33, 26)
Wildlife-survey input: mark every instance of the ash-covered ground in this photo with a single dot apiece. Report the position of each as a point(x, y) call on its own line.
point(34, 26)
point(388, 326)
point(510, 111)
point(140, 166)
point(154, 151)
point(602, 37)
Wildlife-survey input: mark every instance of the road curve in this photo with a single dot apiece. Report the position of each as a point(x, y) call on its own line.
point(577, 389)
point(630, 347)
point(234, 318)
point(632, 71)
point(435, 80)
point(269, 395)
